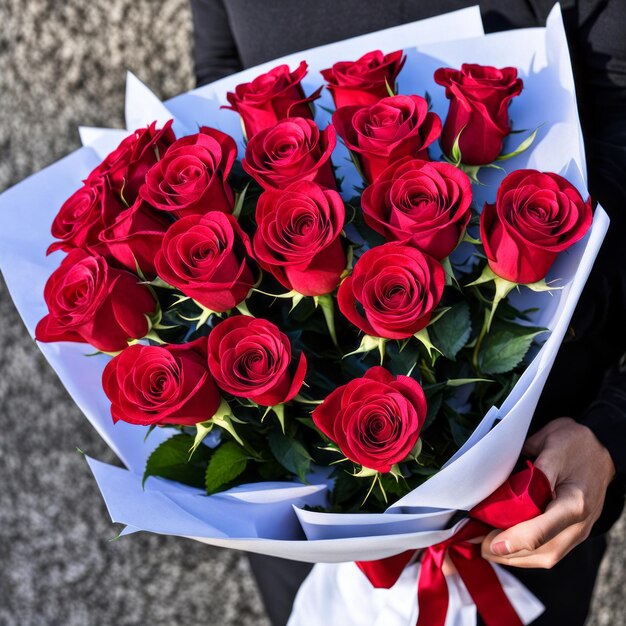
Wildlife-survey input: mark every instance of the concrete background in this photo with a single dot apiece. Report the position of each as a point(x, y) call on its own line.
point(63, 64)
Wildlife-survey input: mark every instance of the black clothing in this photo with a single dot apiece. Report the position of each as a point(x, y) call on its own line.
point(588, 380)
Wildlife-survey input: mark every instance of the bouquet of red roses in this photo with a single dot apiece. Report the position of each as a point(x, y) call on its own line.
point(325, 315)
point(247, 302)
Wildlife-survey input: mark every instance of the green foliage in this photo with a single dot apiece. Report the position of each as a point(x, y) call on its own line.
point(291, 454)
point(452, 330)
point(505, 346)
point(172, 460)
point(228, 462)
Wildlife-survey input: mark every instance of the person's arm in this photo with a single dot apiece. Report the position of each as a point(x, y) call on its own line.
point(585, 458)
point(215, 50)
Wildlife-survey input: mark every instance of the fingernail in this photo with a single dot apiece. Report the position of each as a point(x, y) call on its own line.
point(501, 548)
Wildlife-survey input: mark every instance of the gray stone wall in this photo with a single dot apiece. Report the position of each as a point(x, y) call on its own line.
point(63, 64)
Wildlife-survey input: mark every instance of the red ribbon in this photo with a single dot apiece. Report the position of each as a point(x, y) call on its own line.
point(523, 496)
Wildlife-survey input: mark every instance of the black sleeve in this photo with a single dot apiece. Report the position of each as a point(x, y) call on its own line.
point(601, 66)
point(215, 50)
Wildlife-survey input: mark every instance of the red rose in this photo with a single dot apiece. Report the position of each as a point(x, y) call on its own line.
point(425, 204)
point(126, 167)
point(250, 358)
point(295, 149)
point(205, 256)
point(479, 110)
point(190, 179)
point(536, 215)
point(397, 288)
point(135, 237)
point(83, 216)
point(387, 131)
point(363, 82)
point(271, 97)
point(375, 420)
point(158, 385)
point(92, 302)
point(298, 237)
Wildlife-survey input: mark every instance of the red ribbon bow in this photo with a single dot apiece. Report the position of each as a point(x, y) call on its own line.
point(523, 496)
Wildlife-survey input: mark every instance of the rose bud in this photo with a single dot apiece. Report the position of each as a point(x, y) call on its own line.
point(271, 97)
point(135, 237)
point(159, 385)
point(88, 301)
point(393, 128)
point(298, 237)
point(190, 179)
point(479, 110)
point(375, 420)
point(83, 216)
point(206, 257)
point(250, 358)
point(126, 167)
point(365, 81)
point(295, 149)
point(425, 204)
point(535, 217)
point(396, 288)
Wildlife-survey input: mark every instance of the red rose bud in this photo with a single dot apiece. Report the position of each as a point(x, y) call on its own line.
point(271, 97)
point(190, 179)
point(375, 420)
point(159, 385)
point(391, 129)
point(365, 81)
point(126, 167)
point(425, 204)
point(479, 110)
point(295, 149)
point(396, 288)
point(250, 358)
point(535, 217)
point(298, 237)
point(89, 301)
point(206, 257)
point(84, 215)
point(135, 237)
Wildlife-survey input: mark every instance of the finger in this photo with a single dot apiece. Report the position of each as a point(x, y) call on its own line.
point(549, 554)
point(534, 533)
point(535, 443)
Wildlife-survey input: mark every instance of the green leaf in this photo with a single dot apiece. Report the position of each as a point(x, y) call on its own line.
point(345, 488)
point(460, 433)
point(227, 462)
point(452, 331)
point(434, 405)
point(505, 346)
point(172, 460)
point(291, 454)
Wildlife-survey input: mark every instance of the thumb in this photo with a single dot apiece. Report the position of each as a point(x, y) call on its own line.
point(535, 443)
point(534, 533)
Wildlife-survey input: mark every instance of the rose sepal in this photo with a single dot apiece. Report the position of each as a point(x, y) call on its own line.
point(456, 158)
point(324, 302)
point(223, 418)
point(504, 287)
point(279, 411)
point(369, 343)
point(423, 337)
point(327, 305)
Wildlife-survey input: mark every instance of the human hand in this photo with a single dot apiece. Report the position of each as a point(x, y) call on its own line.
point(579, 469)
